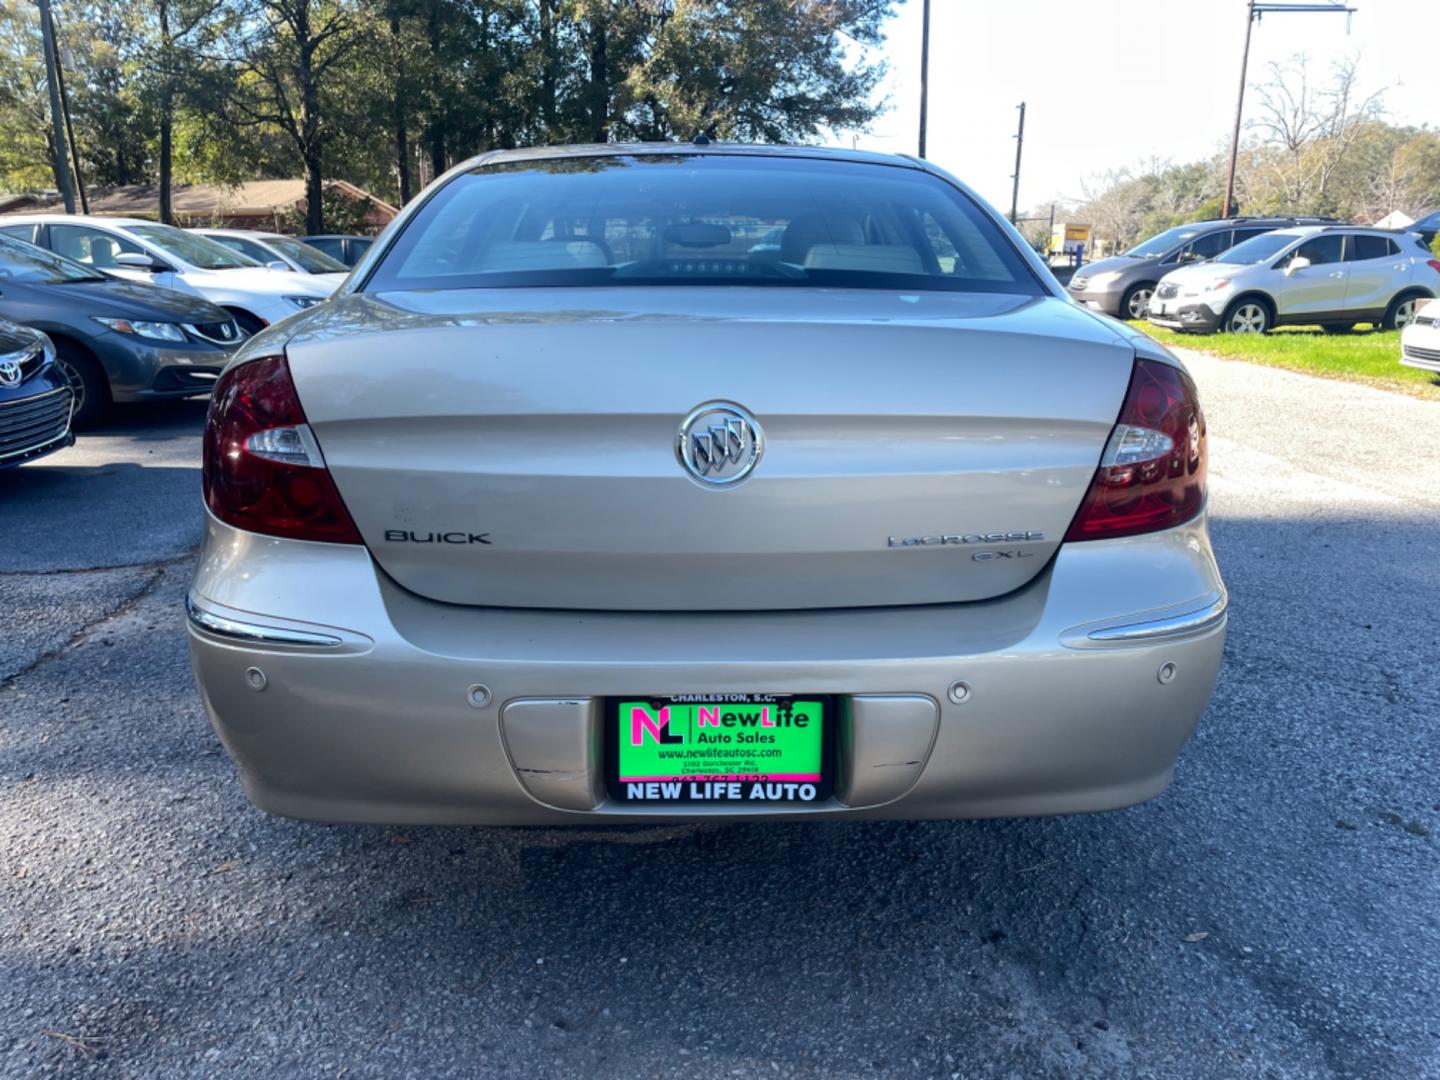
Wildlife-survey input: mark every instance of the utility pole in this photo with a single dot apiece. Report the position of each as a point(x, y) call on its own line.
point(1019, 145)
point(1254, 10)
point(52, 62)
point(69, 124)
point(924, 73)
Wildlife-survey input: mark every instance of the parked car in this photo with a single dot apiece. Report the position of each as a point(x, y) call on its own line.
point(1428, 226)
point(114, 340)
point(175, 259)
point(1122, 284)
point(341, 247)
point(279, 252)
point(1332, 276)
point(577, 509)
point(1420, 341)
point(35, 399)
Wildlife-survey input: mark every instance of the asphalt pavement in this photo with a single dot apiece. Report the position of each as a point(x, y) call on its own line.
point(1274, 914)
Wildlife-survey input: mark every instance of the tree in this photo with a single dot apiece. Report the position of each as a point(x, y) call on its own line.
point(1312, 130)
point(288, 76)
point(754, 69)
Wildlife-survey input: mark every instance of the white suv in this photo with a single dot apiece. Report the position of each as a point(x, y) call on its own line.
point(164, 255)
point(1333, 276)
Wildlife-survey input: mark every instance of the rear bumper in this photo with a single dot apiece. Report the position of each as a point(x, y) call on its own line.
point(344, 698)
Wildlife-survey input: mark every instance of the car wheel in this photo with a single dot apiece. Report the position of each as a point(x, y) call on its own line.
point(1246, 317)
point(1338, 327)
point(1136, 303)
point(1401, 313)
point(87, 382)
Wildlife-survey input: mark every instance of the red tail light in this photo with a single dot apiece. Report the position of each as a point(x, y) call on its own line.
point(1434, 264)
point(262, 470)
point(1152, 474)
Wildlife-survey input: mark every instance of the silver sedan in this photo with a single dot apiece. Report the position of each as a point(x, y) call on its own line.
point(625, 483)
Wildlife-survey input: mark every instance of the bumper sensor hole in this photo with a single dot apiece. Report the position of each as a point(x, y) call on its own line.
point(255, 678)
point(1166, 672)
point(959, 692)
point(478, 695)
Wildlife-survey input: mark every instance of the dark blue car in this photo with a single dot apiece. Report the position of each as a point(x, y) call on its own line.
point(35, 398)
point(114, 340)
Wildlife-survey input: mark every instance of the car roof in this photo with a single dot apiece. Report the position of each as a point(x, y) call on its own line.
point(724, 149)
point(77, 219)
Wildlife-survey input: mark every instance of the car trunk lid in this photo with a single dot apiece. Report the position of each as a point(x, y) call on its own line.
point(519, 447)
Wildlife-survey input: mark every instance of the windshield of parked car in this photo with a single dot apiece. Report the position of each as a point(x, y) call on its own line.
point(32, 265)
point(306, 257)
point(1165, 242)
point(703, 220)
point(1257, 249)
point(198, 251)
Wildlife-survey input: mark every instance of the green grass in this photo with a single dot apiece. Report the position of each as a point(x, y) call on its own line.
point(1366, 354)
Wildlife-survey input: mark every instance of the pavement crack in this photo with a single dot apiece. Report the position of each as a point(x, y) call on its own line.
point(156, 576)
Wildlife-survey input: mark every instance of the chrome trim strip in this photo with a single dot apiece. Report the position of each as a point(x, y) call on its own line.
point(254, 632)
point(1193, 622)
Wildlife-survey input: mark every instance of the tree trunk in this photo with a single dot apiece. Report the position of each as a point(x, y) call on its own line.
point(402, 135)
point(599, 90)
point(437, 114)
point(167, 117)
point(167, 152)
point(314, 194)
point(311, 142)
point(547, 69)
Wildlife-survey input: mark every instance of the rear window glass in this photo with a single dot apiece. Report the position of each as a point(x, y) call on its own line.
point(1363, 247)
point(702, 220)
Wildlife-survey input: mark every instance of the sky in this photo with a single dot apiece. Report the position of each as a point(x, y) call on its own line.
point(1110, 83)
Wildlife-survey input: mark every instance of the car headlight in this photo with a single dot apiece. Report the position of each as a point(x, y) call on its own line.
point(157, 331)
point(1109, 277)
point(303, 302)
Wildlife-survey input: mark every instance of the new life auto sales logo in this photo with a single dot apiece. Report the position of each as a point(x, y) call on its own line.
point(753, 748)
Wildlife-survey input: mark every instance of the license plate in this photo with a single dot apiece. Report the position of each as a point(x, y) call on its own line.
point(750, 749)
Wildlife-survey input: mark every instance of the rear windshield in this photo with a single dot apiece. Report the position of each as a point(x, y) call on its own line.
point(702, 220)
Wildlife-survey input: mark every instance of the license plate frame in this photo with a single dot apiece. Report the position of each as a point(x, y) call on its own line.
point(791, 781)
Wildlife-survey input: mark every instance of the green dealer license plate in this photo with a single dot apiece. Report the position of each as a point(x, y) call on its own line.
point(720, 748)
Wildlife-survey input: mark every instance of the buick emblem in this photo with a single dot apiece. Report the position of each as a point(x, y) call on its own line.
point(720, 444)
point(11, 372)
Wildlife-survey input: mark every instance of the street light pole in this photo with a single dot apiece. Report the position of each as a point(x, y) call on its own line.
point(52, 62)
point(1254, 9)
point(924, 73)
point(1019, 145)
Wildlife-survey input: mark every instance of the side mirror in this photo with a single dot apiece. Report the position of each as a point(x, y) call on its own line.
point(138, 260)
point(1295, 265)
point(276, 264)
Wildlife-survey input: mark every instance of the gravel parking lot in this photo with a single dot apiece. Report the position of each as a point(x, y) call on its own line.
point(1274, 914)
